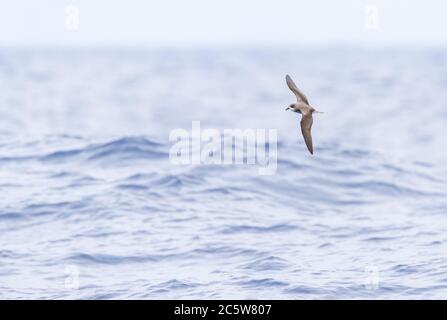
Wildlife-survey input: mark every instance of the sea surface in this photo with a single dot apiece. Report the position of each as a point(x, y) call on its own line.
point(92, 207)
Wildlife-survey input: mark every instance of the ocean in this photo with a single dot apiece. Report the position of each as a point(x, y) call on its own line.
point(92, 207)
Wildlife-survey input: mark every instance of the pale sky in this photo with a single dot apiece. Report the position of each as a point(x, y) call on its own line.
point(223, 22)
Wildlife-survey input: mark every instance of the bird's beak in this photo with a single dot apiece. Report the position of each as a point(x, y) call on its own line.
point(287, 108)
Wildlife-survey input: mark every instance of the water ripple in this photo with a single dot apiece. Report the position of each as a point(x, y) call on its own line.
point(87, 185)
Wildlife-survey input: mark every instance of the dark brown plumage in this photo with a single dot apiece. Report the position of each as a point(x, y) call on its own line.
point(302, 106)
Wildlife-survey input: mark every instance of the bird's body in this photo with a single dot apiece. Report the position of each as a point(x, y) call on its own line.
point(303, 107)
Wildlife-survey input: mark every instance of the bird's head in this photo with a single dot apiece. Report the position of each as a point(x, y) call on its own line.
point(291, 107)
point(294, 107)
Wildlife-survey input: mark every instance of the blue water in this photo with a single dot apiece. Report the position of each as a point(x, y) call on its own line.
point(92, 208)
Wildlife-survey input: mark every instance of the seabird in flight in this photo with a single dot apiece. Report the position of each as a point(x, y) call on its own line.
point(302, 106)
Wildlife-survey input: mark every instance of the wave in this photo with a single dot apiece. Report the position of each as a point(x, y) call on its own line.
point(117, 151)
point(126, 192)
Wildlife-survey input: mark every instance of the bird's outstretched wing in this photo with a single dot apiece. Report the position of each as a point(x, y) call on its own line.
point(306, 125)
point(299, 95)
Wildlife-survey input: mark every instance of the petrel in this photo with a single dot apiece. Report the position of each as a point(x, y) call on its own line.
point(302, 106)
